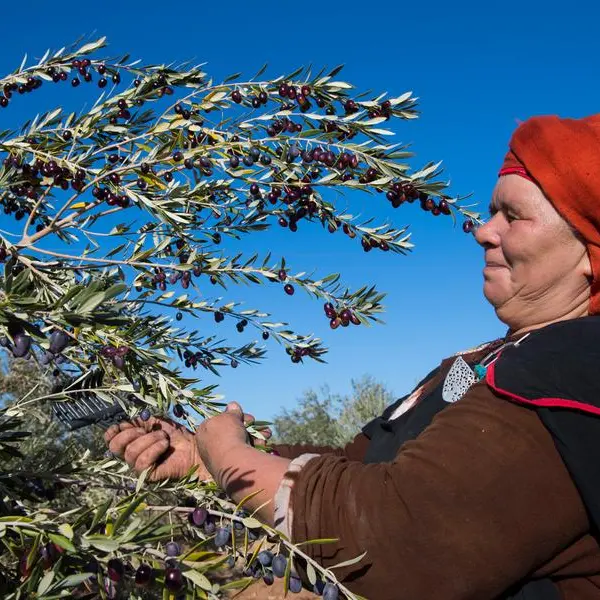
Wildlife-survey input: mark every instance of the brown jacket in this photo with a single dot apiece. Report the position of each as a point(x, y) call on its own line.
point(478, 502)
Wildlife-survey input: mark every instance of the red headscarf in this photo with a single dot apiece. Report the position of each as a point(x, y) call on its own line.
point(562, 156)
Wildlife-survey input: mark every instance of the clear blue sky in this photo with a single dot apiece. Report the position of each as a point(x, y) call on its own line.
point(477, 67)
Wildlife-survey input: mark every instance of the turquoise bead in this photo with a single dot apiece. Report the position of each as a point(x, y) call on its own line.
point(480, 371)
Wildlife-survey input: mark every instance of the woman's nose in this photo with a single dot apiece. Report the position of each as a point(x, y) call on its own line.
point(487, 234)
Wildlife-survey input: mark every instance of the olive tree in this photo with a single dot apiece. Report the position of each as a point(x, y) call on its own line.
point(115, 218)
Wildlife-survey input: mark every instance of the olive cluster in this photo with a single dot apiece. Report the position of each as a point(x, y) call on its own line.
point(21, 343)
point(240, 326)
point(32, 83)
point(268, 566)
point(116, 354)
point(383, 110)
point(78, 70)
point(30, 179)
point(161, 279)
point(192, 359)
point(248, 156)
point(297, 353)
point(344, 317)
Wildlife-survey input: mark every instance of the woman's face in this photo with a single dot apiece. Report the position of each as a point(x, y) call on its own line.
point(537, 270)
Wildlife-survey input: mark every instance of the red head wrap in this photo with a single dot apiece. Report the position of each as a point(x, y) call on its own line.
point(562, 156)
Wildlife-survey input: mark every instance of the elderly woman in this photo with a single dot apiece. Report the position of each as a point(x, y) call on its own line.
point(484, 482)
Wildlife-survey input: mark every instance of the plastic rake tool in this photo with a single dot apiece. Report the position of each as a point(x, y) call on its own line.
point(85, 408)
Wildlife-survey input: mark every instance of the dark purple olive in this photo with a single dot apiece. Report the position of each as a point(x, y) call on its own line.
point(108, 351)
point(172, 549)
point(295, 584)
point(330, 591)
point(59, 340)
point(265, 558)
point(49, 553)
point(198, 516)
point(173, 579)
point(279, 565)
point(21, 345)
point(115, 569)
point(223, 536)
point(143, 575)
point(346, 314)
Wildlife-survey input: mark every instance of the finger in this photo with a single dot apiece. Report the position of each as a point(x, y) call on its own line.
point(147, 425)
point(110, 433)
point(248, 419)
point(152, 455)
point(123, 439)
point(234, 407)
point(267, 433)
point(155, 423)
point(137, 447)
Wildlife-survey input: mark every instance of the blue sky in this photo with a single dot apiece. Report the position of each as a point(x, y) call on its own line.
point(477, 68)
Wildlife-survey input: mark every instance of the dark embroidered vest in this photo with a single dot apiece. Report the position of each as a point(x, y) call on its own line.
point(556, 371)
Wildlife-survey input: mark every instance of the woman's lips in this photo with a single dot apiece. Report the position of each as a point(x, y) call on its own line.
point(491, 267)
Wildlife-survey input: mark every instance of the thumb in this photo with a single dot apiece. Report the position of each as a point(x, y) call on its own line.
point(234, 407)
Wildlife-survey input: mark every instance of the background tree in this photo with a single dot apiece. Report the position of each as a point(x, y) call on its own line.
point(49, 447)
point(327, 419)
point(368, 400)
point(311, 422)
point(19, 377)
point(114, 219)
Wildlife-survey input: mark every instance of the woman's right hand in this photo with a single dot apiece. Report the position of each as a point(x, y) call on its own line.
point(167, 446)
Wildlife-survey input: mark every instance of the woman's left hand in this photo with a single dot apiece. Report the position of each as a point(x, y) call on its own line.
point(219, 437)
point(244, 472)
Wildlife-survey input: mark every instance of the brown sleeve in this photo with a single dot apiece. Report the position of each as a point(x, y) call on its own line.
point(477, 502)
point(355, 450)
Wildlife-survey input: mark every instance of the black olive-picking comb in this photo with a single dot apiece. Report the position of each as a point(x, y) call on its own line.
point(85, 408)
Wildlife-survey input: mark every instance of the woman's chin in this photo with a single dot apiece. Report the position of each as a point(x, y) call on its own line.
point(493, 294)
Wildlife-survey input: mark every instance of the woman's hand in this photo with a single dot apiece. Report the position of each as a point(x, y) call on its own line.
point(169, 447)
point(219, 436)
point(238, 468)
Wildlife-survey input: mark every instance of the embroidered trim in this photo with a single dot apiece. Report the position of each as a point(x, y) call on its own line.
point(490, 379)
